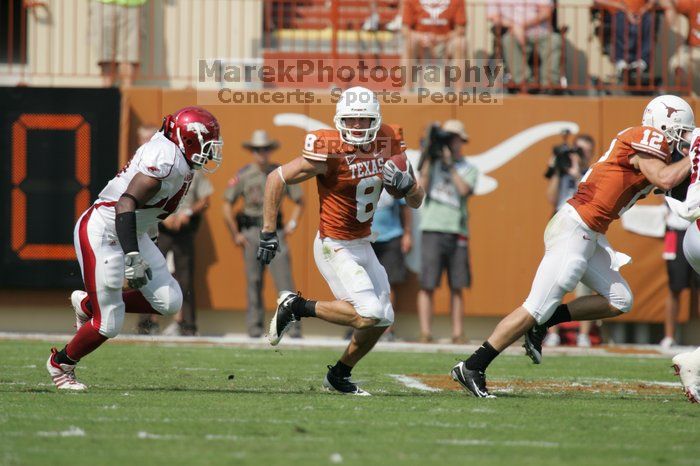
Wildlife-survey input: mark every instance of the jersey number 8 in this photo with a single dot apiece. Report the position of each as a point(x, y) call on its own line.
point(367, 195)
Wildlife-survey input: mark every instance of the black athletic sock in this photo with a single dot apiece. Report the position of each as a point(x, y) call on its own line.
point(561, 315)
point(481, 358)
point(303, 308)
point(62, 358)
point(342, 370)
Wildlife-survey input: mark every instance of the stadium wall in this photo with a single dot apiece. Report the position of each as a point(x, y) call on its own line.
point(508, 216)
point(506, 224)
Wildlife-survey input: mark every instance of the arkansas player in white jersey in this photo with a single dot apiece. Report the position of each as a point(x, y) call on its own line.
point(112, 237)
point(576, 249)
point(687, 365)
point(350, 166)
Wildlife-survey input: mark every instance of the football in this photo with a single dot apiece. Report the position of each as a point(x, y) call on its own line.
point(402, 164)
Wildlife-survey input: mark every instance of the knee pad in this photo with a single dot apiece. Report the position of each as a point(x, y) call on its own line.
point(572, 273)
point(168, 299)
point(111, 324)
point(621, 297)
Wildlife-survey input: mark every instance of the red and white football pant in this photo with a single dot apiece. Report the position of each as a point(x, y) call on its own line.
point(102, 264)
point(575, 253)
point(355, 275)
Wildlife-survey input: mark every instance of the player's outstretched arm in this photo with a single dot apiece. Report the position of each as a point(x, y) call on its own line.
point(296, 171)
point(661, 175)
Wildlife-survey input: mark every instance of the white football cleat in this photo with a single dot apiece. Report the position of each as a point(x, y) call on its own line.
point(79, 300)
point(687, 366)
point(63, 375)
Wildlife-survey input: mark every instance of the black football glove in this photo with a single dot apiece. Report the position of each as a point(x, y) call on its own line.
point(269, 245)
point(402, 181)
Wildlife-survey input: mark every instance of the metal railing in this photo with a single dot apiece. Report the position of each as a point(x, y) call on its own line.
point(75, 43)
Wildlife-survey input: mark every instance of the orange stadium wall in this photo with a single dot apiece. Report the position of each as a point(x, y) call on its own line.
point(506, 224)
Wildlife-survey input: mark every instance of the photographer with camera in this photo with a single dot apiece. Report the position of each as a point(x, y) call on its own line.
point(567, 166)
point(449, 180)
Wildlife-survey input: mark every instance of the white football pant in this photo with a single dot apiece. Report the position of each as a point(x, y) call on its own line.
point(573, 253)
point(691, 246)
point(355, 275)
point(102, 264)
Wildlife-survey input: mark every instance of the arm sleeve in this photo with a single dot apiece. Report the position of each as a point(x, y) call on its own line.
point(155, 160)
point(315, 147)
point(652, 143)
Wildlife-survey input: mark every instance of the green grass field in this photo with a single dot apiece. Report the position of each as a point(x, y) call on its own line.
point(174, 404)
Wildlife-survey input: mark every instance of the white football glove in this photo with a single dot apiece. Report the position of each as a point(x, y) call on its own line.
point(402, 181)
point(136, 270)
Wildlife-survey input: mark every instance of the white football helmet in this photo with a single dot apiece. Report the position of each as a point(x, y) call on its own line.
point(672, 116)
point(357, 102)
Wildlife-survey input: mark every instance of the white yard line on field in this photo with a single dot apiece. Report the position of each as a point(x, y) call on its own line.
point(499, 443)
point(243, 341)
point(412, 382)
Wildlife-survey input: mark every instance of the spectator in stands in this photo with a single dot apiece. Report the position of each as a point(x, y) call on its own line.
point(448, 180)
point(245, 226)
point(632, 24)
point(526, 28)
point(117, 27)
point(680, 274)
point(566, 168)
point(373, 21)
point(685, 63)
point(434, 30)
point(176, 237)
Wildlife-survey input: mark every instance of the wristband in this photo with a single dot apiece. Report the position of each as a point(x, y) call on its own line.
point(266, 235)
point(125, 225)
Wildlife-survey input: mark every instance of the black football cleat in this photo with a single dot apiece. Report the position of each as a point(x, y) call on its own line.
point(472, 380)
point(343, 385)
point(284, 317)
point(533, 342)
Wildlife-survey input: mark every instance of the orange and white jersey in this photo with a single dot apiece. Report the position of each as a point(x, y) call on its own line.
point(350, 188)
point(612, 185)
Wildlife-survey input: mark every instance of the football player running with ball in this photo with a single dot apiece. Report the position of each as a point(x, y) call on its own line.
point(351, 165)
point(112, 237)
point(576, 249)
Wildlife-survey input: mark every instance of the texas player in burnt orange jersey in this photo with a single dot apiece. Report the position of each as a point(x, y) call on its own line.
point(351, 165)
point(576, 249)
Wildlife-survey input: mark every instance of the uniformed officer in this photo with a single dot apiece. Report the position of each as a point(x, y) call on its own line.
point(245, 226)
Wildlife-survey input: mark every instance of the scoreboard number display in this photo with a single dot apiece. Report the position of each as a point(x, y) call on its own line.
point(60, 148)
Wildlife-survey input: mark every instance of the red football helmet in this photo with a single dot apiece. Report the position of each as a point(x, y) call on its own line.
point(197, 133)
